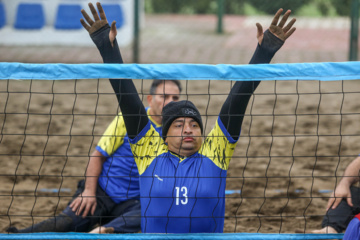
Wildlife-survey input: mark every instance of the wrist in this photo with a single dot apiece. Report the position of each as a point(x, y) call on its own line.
point(109, 51)
point(346, 182)
point(89, 192)
point(90, 186)
point(98, 32)
point(271, 43)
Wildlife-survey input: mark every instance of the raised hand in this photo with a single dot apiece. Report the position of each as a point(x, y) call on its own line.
point(278, 29)
point(92, 26)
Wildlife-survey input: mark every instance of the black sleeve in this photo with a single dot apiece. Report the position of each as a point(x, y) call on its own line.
point(233, 111)
point(129, 101)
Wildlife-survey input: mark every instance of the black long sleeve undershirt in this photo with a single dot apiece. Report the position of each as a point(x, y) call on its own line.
point(232, 111)
point(132, 108)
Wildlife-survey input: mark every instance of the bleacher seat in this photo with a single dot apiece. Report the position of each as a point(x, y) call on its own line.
point(2, 15)
point(29, 16)
point(114, 12)
point(68, 16)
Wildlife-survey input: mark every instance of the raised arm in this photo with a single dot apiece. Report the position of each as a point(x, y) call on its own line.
point(233, 110)
point(104, 38)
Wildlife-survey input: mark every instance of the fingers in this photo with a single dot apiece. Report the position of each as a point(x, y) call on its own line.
point(277, 16)
point(278, 29)
point(87, 18)
point(101, 11)
point(83, 23)
point(112, 33)
point(349, 200)
point(336, 202)
point(94, 12)
point(330, 203)
point(289, 27)
point(93, 209)
point(289, 33)
point(75, 205)
point(80, 209)
point(113, 26)
point(86, 208)
point(259, 29)
point(260, 33)
point(284, 18)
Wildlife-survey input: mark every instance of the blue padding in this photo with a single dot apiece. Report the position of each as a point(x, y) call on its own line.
point(114, 12)
point(294, 71)
point(29, 16)
point(68, 16)
point(198, 236)
point(2, 15)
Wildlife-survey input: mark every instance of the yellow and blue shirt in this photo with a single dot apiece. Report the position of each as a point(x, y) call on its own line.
point(119, 177)
point(182, 195)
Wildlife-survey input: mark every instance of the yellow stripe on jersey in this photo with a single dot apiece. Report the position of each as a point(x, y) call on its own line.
point(113, 136)
point(148, 148)
point(217, 148)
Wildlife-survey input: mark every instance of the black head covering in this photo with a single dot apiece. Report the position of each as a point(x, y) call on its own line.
point(174, 110)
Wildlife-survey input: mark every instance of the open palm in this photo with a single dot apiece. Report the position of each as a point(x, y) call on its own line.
point(92, 26)
point(277, 28)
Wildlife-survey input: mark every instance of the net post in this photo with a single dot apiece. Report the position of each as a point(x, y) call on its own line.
point(136, 42)
point(220, 14)
point(354, 32)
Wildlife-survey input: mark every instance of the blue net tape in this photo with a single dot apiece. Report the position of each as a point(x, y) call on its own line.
point(200, 236)
point(294, 71)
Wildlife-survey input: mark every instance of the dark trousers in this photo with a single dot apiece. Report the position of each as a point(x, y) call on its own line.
point(340, 217)
point(124, 217)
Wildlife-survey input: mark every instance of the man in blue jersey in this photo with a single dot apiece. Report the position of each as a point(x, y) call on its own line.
point(112, 168)
point(109, 196)
point(183, 175)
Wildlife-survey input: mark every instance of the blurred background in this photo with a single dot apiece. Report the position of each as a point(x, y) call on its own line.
point(177, 31)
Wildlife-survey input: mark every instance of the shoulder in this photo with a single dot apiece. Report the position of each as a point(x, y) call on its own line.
point(219, 130)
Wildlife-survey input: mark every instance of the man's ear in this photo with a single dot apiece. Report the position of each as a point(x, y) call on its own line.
point(149, 99)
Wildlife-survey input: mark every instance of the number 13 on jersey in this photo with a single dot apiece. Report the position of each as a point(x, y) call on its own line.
point(183, 192)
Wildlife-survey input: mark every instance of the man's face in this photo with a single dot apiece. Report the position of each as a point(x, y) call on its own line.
point(166, 92)
point(184, 136)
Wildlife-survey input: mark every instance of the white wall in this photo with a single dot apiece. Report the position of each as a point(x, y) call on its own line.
point(50, 36)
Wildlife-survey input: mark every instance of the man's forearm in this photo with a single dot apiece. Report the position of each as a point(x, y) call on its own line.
point(93, 171)
point(130, 104)
point(351, 174)
point(233, 110)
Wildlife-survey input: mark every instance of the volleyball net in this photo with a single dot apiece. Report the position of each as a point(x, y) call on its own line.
point(301, 130)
